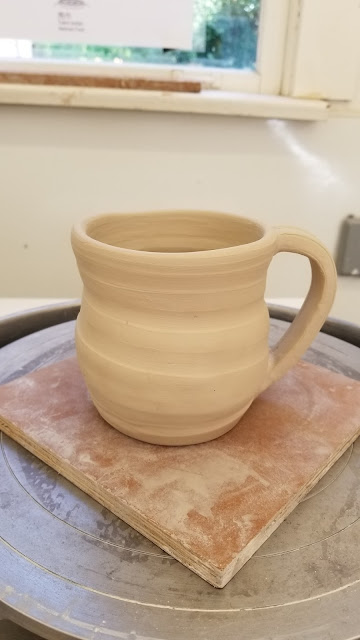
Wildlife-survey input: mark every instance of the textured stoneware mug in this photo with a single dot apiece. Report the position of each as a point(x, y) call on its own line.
point(172, 336)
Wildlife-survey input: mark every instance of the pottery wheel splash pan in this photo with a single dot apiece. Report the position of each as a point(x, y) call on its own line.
point(86, 552)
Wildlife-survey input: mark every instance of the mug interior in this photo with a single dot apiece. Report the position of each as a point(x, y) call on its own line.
point(174, 232)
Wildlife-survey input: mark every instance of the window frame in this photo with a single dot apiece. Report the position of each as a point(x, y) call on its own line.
point(296, 77)
point(322, 55)
point(266, 78)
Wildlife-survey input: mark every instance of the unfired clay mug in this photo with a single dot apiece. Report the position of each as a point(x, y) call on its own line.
point(172, 336)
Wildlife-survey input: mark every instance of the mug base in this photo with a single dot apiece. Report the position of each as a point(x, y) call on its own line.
point(153, 437)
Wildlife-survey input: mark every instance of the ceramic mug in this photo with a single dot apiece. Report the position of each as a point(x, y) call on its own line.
point(172, 336)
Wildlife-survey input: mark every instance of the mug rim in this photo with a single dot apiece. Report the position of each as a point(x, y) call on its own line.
point(80, 237)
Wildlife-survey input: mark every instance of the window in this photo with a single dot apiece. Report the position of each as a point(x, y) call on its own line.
point(225, 36)
point(231, 49)
point(300, 53)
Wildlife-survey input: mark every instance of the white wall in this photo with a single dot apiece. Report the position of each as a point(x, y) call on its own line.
point(58, 165)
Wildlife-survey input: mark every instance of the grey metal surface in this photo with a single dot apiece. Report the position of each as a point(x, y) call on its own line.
point(11, 631)
point(348, 251)
point(20, 324)
point(69, 568)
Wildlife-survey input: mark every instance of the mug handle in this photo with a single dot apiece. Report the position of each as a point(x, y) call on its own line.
point(317, 304)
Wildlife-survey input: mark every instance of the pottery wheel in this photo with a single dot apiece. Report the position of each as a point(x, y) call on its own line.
point(71, 569)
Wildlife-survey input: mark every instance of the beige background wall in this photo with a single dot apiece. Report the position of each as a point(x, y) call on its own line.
point(58, 165)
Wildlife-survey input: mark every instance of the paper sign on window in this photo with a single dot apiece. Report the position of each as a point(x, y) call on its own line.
point(138, 23)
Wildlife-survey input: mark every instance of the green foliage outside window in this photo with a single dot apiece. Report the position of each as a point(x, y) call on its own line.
point(225, 35)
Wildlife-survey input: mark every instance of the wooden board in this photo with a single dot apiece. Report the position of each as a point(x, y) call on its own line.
point(212, 505)
point(100, 82)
